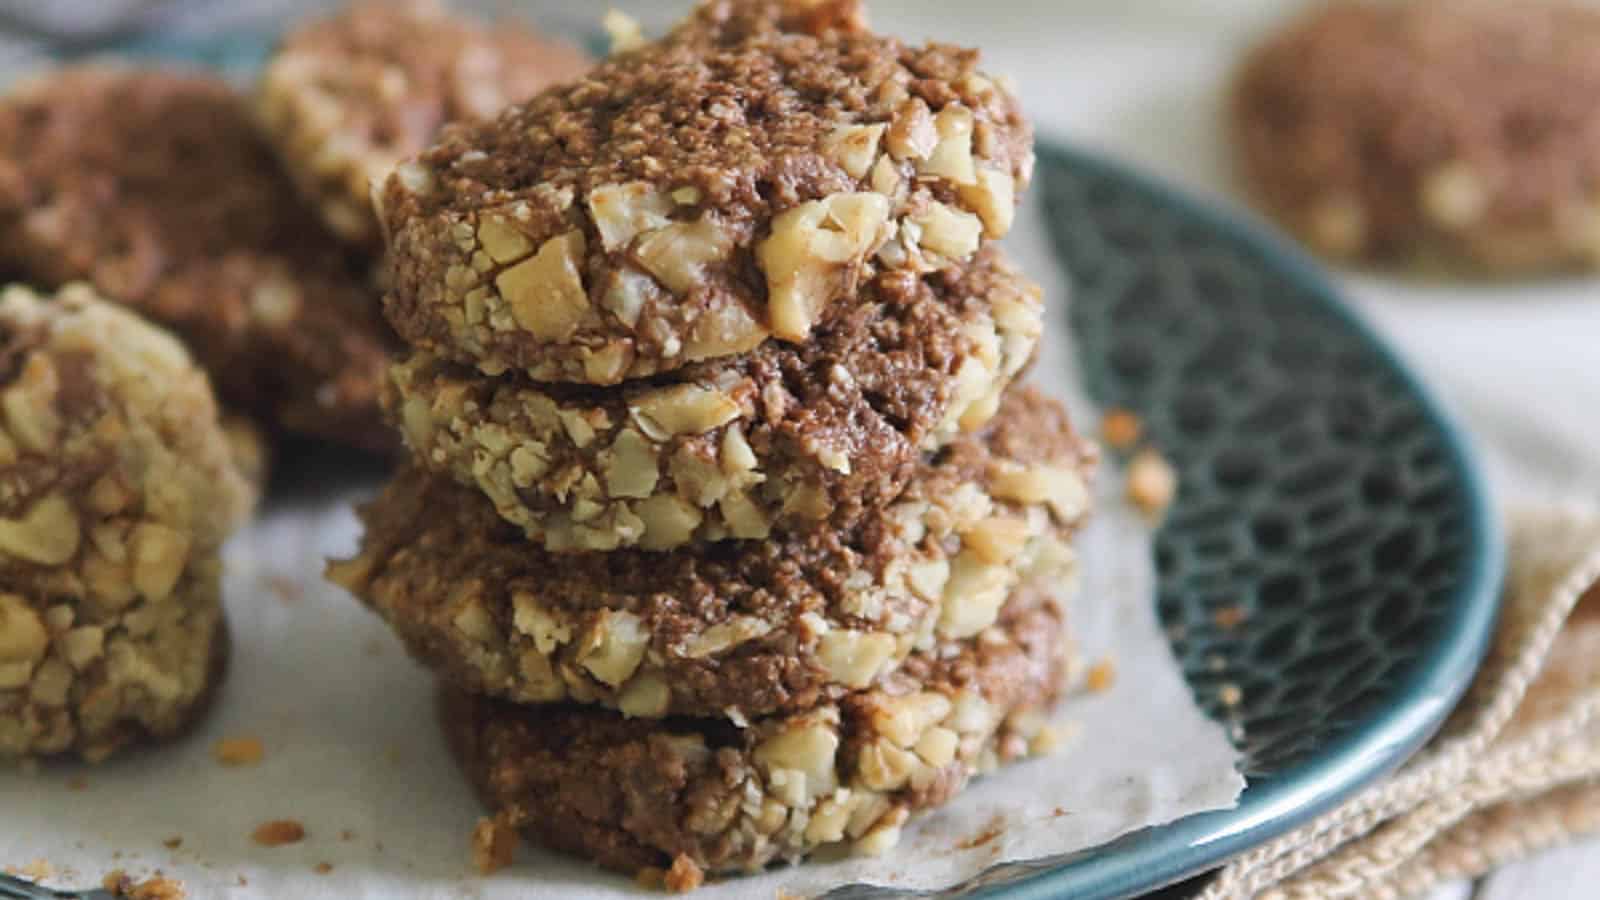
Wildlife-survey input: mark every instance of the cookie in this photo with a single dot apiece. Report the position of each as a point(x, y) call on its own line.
point(784, 436)
point(155, 187)
point(686, 200)
point(104, 679)
point(709, 797)
point(117, 488)
point(347, 97)
point(736, 629)
point(1456, 135)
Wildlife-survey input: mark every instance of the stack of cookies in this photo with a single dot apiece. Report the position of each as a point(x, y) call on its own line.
point(724, 521)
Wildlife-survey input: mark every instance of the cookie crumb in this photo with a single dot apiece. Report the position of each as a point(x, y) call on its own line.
point(239, 751)
point(279, 832)
point(156, 887)
point(77, 784)
point(347, 835)
point(1230, 617)
point(1102, 675)
point(1152, 483)
point(494, 845)
point(995, 828)
point(322, 868)
point(684, 876)
point(1121, 429)
point(287, 589)
point(1230, 695)
point(173, 843)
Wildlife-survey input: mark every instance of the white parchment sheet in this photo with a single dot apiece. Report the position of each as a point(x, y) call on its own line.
point(352, 751)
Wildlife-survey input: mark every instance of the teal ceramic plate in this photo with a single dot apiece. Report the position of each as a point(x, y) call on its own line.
point(1324, 492)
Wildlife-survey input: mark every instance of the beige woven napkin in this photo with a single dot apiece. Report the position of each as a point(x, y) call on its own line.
point(1515, 769)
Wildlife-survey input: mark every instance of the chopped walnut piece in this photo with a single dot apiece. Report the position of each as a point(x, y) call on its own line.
point(684, 876)
point(810, 248)
point(23, 638)
point(683, 409)
point(625, 211)
point(47, 533)
point(545, 291)
point(947, 231)
point(678, 253)
point(502, 240)
point(912, 134)
point(951, 157)
point(854, 147)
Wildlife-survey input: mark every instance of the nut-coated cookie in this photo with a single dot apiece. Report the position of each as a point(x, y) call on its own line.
point(736, 181)
point(1461, 136)
point(708, 797)
point(784, 436)
point(347, 97)
point(117, 487)
point(155, 187)
point(734, 629)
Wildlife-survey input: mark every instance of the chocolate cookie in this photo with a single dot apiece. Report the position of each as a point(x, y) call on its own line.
point(155, 187)
point(706, 796)
point(1461, 133)
point(117, 487)
point(734, 629)
point(783, 435)
point(347, 97)
point(691, 198)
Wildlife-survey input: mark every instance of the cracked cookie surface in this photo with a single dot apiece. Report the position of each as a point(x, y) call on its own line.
point(694, 197)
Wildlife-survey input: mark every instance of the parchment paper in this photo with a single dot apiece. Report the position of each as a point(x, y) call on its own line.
point(352, 751)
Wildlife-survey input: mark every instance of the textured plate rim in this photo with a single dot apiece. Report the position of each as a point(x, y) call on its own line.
point(1149, 859)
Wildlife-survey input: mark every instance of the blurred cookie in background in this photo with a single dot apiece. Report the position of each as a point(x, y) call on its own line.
point(347, 97)
point(1461, 135)
point(156, 187)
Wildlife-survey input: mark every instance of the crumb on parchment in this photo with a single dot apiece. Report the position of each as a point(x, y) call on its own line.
point(242, 750)
point(1120, 429)
point(684, 876)
point(1102, 675)
point(1230, 617)
point(1152, 483)
point(156, 887)
point(494, 845)
point(278, 832)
